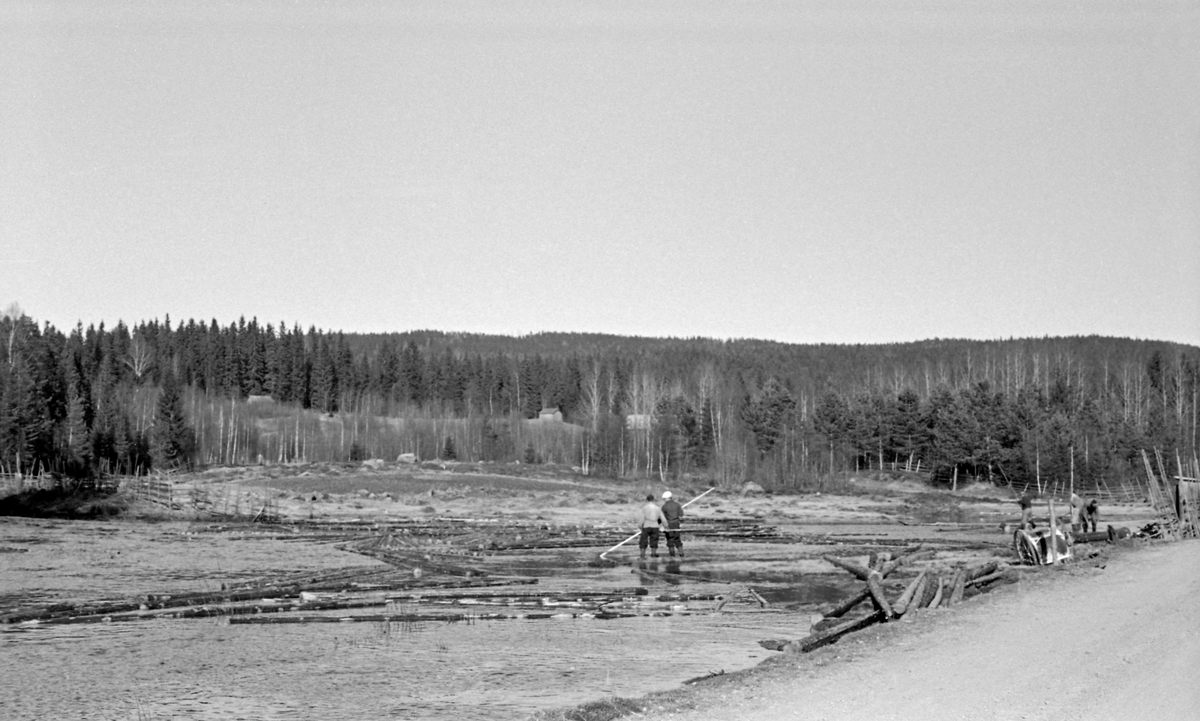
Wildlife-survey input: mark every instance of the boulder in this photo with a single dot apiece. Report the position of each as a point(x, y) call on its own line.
point(751, 488)
point(375, 463)
point(406, 458)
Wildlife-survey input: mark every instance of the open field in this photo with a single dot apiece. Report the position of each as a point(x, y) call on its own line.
point(464, 591)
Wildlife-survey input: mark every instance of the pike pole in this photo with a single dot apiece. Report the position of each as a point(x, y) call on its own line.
point(627, 540)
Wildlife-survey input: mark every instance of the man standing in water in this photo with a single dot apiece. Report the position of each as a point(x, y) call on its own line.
point(673, 512)
point(650, 519)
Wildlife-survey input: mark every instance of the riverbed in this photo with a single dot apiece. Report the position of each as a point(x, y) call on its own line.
point(753, 571)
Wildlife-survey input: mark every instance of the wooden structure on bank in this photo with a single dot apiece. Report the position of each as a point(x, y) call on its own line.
point(1176, 501)
point(927, 590)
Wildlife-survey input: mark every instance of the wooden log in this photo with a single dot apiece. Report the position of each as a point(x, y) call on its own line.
point(1004, 575)
point(812, 643)
point(918, 595)
point(455, 595)
point(901, 604)
point(861, 573)
point(886, 568)
point(152, 602)
point(921, 555)
point(875, 586)
point(726, 599)
point(931, 588)
point(937, 596)
point(844, 607)
point(853, 568)
point(444, 618)
point(982, 570)
point(957, 587)
point(762, 602)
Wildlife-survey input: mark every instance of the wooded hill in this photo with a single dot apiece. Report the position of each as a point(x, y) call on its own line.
point(131, 399)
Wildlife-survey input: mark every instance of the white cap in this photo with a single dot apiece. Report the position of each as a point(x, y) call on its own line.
point(666, 494)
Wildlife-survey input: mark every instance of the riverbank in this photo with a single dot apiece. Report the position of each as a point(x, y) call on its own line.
point(1117, 636)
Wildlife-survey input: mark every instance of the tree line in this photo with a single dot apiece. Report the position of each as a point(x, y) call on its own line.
point(131, 399)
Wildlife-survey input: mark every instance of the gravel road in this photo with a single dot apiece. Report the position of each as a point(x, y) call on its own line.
point(1120, 641)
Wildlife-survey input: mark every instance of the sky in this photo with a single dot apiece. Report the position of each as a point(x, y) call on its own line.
point(806, 172)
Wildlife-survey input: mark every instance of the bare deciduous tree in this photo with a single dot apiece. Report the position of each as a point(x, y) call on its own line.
point(141, 356)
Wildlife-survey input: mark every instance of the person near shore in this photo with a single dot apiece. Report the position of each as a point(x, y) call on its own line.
point(650, 520)
point(1026, 502)
point(673, 512)
point(1076, 510)
point(1091, 515)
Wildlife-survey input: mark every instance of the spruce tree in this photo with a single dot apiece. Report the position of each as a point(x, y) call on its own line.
point(173, 438)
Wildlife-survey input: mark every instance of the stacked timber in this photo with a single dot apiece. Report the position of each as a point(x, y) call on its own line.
point(927, 590)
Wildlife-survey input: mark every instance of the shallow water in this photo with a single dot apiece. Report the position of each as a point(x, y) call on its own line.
point(209, 669)
point(493, 669)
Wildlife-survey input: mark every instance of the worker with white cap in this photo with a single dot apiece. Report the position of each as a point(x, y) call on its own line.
point(673, 512)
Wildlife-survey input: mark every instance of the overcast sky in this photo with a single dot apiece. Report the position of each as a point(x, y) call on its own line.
point(799, 171)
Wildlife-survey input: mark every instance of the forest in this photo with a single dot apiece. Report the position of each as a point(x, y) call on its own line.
point(157, 396)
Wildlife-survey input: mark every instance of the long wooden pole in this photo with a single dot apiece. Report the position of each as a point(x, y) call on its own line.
point(627, 540)
point(1053, 533)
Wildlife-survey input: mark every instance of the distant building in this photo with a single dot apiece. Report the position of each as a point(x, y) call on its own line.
point(638, 421)
point(550, 414)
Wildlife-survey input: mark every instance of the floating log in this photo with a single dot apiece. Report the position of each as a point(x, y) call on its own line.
point(456, 594)
point(844, 607)
point(924, 554)
point(97, 612)
point(450, 618)
point(418, 559)
point(856, 570)
point(812, 643)
point(721, 604)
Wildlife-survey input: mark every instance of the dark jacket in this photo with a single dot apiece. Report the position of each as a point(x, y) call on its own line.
point(673, 512)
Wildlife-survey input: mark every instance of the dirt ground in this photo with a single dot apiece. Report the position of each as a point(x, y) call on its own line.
point(331, 492)
point(1114, 635)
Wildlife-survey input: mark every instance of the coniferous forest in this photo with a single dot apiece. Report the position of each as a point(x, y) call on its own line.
point(157, 396)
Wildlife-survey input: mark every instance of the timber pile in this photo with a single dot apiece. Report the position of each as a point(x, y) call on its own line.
point(413, 618)
point(253, 597)
point(928, 589)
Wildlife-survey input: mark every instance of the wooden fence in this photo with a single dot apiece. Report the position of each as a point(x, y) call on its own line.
point(230, 501)
point(146, 488)
point(14, 483)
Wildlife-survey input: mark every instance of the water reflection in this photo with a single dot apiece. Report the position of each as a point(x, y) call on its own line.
point(487, 670)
